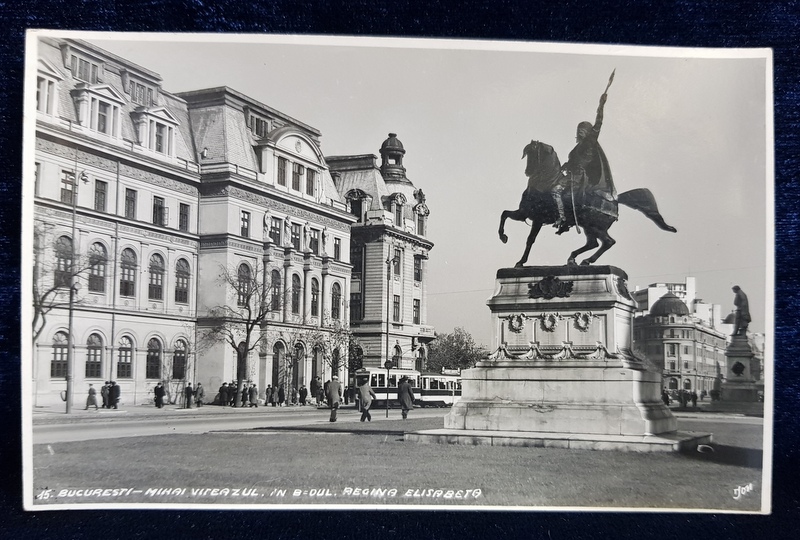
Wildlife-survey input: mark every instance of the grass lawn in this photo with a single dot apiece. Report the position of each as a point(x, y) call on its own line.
point(328, 463)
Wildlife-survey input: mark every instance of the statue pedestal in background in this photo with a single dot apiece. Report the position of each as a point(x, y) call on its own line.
point(563, 374)
point(741, 382)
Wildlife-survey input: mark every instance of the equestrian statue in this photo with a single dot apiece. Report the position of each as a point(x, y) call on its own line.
point(578, 194)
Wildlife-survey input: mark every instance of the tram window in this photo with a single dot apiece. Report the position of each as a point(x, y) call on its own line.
point(392, 380)
point(373, 381)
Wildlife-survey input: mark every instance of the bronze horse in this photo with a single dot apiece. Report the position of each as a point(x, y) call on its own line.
point(595, 211)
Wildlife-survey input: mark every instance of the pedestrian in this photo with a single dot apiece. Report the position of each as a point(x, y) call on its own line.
point(91, 399)
point(406, 396)
point(199, 395)
point(303, 394)
point(346, 395)
point(365, 396)
point(233, 389)
point(694, 399)
point(334, 395)
point(159, 393)
point(254, 396)
point(281, 396)
point(315, 389)
point(188, 393)
point(294, 395)
point(665, 397)
point(223, 394)
point(104, 394)
point(113, 395)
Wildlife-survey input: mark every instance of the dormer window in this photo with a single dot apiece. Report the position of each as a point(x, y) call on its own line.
point(84, 70)
point(141, 94)
point(259, 126)
point(45, 95)
point(398, 201)
point(99, 108)
point(155, 129)
point(359, 204)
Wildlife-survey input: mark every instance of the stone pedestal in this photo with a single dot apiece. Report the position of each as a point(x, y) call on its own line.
point(563, 372)
point(740, 379)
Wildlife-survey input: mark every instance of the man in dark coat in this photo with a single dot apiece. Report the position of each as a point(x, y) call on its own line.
point(303, 394)
point(365, 394)
point(406, 396)
point(159, 393)
point(223, 394)
point(281, 396)
point(188, 393)
point(199, 395)
point(104, 394)
point(113, 395)
point(315, 388)
point(334, 395)
point(91, 398)
point(253, 395)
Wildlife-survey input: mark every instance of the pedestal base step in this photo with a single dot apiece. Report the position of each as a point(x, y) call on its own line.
point(676, 441)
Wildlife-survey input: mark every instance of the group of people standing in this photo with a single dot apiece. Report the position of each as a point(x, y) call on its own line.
point(684, 397)
point(110, 393)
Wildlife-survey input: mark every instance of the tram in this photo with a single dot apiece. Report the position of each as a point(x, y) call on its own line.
point(439, 389)
point(430, 389)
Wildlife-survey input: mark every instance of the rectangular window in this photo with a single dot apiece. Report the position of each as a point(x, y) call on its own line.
point(355, 307)
point(416, 311)
point(67, 186)
point(672, 349)
point(314, 242)
point(181, 288)
point(296, 232)
point(310, 180)
point(45, 95)
point(158, 211)
point(275, 230)
point(398, 215)
point(183, 217)
point(245, 222)
point(357, 260)
point(420, 224)
point(282, 171)
point(58, 365)
point(93, 363)
point(127, 281)
point(84, 70)
point(124, 363)
point(672, 366)
point(297, 172)
point(130, 203)
point(398, 259)
point(417, 269)
point(100, 192)
point(337, 249)
point(103, 120)
point(396, 311)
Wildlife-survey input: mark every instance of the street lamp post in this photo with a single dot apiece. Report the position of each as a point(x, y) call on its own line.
point(388, 366)
point(72, 288)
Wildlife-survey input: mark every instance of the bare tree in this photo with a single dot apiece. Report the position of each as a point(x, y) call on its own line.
point(56, 266)
point(241, 322)
point(337, 344)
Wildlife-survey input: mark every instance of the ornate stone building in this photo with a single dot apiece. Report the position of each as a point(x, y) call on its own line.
point(389, 253)
point(142, 199)
point(688, 345)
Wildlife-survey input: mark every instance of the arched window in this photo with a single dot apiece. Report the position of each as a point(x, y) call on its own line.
point(336, 301)
point(153, 366)
point(58, 365)
point(275, 291)
point(127, 278)
point(687, 384)
point(314, 297)
point(278, 360)
point(296, 294)
point(243, 285)
point(179, 361)
point(182, 274)
point(125, 358)
point(94, 357)
point(156, 289)
point(98, 259)
point(64, 256)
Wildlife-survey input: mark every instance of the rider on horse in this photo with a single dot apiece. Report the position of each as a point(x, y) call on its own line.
point(587, 168)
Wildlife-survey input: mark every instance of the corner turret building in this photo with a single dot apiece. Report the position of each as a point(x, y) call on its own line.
point(389, 254)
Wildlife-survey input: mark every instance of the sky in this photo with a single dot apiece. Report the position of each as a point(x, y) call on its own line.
point(693, 126)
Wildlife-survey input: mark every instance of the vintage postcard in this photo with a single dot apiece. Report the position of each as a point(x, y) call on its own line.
point(283, 272)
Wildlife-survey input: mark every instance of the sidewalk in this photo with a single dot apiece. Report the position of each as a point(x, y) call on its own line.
point(57, 415)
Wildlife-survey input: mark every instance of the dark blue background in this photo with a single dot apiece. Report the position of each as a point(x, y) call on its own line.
point(655, 22)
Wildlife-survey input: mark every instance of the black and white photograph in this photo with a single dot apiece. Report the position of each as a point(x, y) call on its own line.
point(329, 272)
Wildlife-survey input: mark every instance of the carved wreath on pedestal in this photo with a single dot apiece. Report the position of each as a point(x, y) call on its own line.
point(583, 320)
point(516, 323)
point(549, 321)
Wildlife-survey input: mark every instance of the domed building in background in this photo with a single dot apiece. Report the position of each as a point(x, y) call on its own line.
point(686, 344)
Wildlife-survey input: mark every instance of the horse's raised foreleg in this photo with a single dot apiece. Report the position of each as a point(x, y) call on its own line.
point(535, 228)
point(516, 215)
point(605, 244)
point(591, 243)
